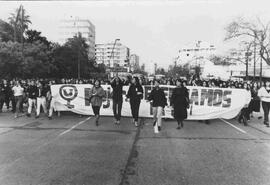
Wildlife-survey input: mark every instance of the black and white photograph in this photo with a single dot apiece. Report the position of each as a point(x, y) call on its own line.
point(114, 92)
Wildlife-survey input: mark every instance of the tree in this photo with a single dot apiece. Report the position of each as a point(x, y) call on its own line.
point(251, 31)
point(34, 61)
point(20, 22)
point(178, 71)
point(6, 31)
point(160, 71)
point(220, 60)
point(79, 46)
point(32, 36)
point(71, 59)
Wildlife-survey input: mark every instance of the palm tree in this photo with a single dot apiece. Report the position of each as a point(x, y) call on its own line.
point(20, 21)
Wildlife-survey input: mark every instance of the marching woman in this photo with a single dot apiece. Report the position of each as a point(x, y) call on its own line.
point(135, 94)
point(96, 95)
point(264, 94)
point(158, 98)
point(117, 85)
point(180, 103)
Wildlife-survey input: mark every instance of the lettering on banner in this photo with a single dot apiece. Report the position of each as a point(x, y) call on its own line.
point(210, 97)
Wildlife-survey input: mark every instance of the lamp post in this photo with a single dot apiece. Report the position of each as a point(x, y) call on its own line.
point(112, 54)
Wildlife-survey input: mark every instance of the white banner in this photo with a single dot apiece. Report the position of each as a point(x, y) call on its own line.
point(205, 103)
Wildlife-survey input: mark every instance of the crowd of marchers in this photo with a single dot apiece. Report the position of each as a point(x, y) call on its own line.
point(35, 93)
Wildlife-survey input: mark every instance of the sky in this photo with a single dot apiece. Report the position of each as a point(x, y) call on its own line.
point(154, 30)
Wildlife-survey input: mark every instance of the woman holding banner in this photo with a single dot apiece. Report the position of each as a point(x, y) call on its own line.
point(117, 97)
point(96, 95)
point(158, 98)
point(180, 103)
point(135, 94)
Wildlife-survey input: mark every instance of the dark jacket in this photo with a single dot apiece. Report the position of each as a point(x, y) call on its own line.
point(117, 90)
point(2, 91)
point(135, 92)
point(158, 97)
point(32, 92)
point(42, 92)
point(7, 90)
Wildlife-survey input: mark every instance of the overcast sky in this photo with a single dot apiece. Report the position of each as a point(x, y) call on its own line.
point(155, 30)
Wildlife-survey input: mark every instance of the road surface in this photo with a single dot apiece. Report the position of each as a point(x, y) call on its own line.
point(71, 150)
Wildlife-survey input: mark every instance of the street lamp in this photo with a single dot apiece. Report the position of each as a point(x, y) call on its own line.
point(112, 54)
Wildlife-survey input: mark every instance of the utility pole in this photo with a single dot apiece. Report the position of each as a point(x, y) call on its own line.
point(254, 55)
point(247, 59)
point(112, 54)
point(261, 72)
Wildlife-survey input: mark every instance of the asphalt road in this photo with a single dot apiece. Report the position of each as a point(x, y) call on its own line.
point(71, 150)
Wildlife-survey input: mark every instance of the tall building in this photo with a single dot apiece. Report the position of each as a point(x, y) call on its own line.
point(134, 62)
point(112, 55)
point(71, 27)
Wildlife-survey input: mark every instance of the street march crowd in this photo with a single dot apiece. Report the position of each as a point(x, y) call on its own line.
point(36, 95)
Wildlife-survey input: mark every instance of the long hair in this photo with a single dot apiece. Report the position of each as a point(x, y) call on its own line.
point(99, 83)
point(137, 81)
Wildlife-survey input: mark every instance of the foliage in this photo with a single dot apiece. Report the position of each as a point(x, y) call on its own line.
point(20, 22)
point(255, 32)
point(30, 60)
point(6, 31)
point(220, 60)
point(178, 71)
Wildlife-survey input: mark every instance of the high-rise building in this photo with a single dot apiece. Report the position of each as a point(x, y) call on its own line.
point(112, 54)
point(134, 62)
point(71, 27)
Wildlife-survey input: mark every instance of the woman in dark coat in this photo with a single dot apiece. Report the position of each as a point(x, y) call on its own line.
point(180, 103)
point(135, 94)
point(255, 100)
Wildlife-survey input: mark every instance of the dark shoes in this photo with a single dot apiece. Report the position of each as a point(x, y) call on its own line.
point(245, 121)
point(266, 123)
point(159, 128)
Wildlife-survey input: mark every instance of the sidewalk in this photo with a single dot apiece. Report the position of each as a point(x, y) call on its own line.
point(257, 123)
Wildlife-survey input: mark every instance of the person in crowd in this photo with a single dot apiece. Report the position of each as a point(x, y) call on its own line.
point(25, 97)
point(205, 84)
point(41, 98)
point(50, 100)
point(2, 96)
point(18, 92)
point(117, 97)
point(264, 94)
point(254, 105)
point(180, 103)
point(158, 98)
point(135, 94)
point(96, 95)
point(32, 93)
point(244, 113)
point(12, 97)
point(7, 93)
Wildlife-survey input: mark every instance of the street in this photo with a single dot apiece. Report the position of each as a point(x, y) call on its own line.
point(71, 150)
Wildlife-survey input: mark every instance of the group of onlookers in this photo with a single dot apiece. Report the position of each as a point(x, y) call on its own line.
point(33, 93)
